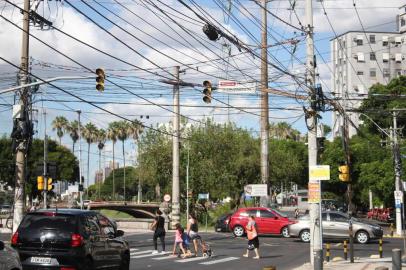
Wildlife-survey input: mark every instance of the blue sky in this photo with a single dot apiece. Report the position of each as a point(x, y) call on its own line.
point(147, 38)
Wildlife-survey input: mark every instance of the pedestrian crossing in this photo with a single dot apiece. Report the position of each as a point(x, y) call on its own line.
point(147, 254)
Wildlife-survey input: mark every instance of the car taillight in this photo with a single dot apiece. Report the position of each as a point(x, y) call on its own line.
point(14, 239)
point(76, 240)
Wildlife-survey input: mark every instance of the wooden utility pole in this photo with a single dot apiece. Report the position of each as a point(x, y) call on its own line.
point(175, 151)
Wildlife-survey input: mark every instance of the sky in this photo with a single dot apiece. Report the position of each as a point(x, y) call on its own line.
point(138, 43)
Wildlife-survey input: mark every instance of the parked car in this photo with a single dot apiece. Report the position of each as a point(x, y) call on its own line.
point(335, 226)
point(9, 259)
point(70, 239)
point(269, 221)
point(222, 223)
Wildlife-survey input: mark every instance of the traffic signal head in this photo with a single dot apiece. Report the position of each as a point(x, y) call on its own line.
point(100, 79)
point(50, 186)
point(207, 91)
point(344, 173)
point(40, 182)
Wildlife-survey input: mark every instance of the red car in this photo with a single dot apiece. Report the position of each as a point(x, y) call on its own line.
point(269, 221)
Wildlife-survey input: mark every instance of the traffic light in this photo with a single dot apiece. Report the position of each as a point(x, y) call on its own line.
point(100, 79)
point(40, 182)
point(50, 186)
point(344, 173)
point(207, 91)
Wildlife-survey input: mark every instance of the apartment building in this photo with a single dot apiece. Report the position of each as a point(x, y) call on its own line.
point(361, 59)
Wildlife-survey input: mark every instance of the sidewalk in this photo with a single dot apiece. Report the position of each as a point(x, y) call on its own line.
point(360, 264)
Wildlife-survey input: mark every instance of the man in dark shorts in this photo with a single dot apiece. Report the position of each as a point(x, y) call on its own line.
point(158, 226)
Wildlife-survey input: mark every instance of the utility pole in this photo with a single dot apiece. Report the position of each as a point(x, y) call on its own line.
point(22, 144)
point(187, 184)
point(45, 161)
point(398, 170)
point(264, 102)
point(80, 161)
point(175, 151)
point(316, 248)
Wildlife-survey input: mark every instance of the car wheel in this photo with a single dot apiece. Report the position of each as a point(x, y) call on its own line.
point(125, 263)
point(238, 231)
point(88, 264)
point(305, 236)
point(362, 237)
point(285, 232)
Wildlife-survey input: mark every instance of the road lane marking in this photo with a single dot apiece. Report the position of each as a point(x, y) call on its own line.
point(134, 249)
point(146, 255)
point(141, 252)
point(165, 258)
point(191, 259)
point(220, 260)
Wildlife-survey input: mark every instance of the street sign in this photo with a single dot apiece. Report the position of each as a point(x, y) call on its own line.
point(399, 196)
point(314, 192)
point(256, 190)
point(203, 196)
point(167, 197)
point(236, 87)
point(319, 172)
point(398, 203)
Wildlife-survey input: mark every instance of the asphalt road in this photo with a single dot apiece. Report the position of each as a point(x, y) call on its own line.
point(284, 253)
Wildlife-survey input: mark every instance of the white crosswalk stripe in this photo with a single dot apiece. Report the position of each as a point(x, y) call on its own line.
point(191, 259)
point(141, 252)
point(166, 257)
point(146, 255)
point(227, 259)
point(134, 249)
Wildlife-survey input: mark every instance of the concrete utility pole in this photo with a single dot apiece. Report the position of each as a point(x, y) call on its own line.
point(175, 152)
point(264, 102)
point(45, 161)
point(21, 151)
point(316, 248)
point(80, 161)
point(398, 170)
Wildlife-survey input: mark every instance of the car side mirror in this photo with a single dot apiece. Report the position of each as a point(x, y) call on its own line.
point(1, 245)
point(119, 233)
point(275, 217)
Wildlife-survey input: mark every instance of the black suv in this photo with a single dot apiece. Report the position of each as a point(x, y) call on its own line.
point(70, 239)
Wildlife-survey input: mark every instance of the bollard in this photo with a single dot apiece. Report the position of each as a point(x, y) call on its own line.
point(380, 248)
point(328, 252)
point(345, 250)
point(396, 259)
point(318, 259)
point(271, 267)
point(392, 229)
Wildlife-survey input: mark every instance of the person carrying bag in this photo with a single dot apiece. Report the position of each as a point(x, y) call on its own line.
point(252, 235)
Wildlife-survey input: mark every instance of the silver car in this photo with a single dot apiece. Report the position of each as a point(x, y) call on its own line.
point(335, 226)
point(9, 259)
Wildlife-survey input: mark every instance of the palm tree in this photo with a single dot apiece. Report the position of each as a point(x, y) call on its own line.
point(122, 135)
point(73, 129)
point(112, 136)
point(283, 131)
point(89, 132)
point(135, 130)
point(59, 124)
point(101, 139)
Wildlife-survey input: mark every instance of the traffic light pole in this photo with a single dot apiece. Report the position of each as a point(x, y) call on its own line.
point(80, 162)
point(264, 102)
point(45, 162)
point(22, 144)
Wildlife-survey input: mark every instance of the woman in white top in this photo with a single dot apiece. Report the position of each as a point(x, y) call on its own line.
point(192, 231)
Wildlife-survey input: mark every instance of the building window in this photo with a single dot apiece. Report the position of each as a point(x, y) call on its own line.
point(372, 73)
point(360, 73)
point(359, 42)
point(372, 39)
point(372, 56)
point(385, 40)
point(385, 57)
point(402, 22)
point(386, 73)
point(360, 57)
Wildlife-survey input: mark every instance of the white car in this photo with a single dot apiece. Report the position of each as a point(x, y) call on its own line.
point(9, 259)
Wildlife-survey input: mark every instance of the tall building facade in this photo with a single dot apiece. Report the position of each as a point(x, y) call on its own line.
point(361, 59)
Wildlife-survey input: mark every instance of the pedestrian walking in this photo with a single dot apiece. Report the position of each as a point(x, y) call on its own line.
point(192, 231)
point(296, 213)
point(158, 226)
point(252, 235)
point(178, 241)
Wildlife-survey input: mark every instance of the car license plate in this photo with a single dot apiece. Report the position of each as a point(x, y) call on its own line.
point(41, 260)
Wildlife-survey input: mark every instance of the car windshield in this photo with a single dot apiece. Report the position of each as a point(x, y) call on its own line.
point(280, 213)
